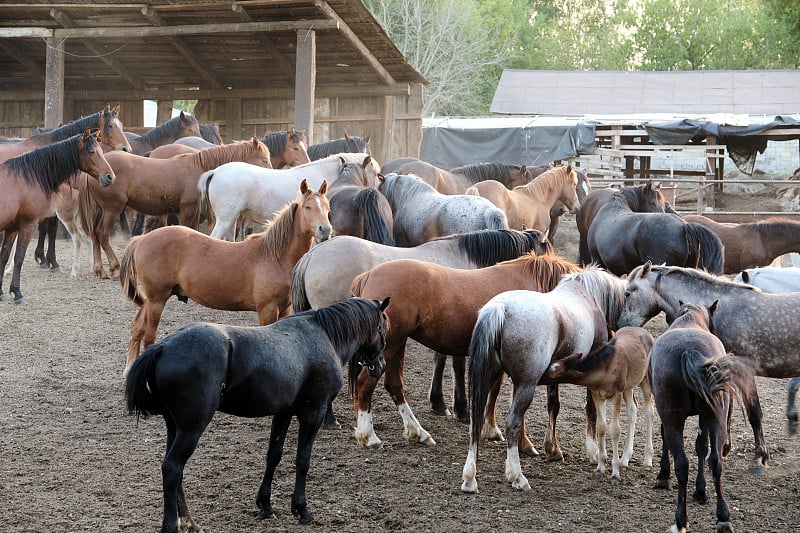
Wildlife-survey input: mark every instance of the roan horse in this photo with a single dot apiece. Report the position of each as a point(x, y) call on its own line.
point(612, 372)
point(28, 182)
point(324, 275)
point(437, 306)
point(422, 213)
point(749, 323)
point(692, 375)
point(530, 205)
point(352, 144)
point(290, 368)
point(521, 333)
point(155, 187)
point(252, 275)
point(358, 209)
point(752, 244)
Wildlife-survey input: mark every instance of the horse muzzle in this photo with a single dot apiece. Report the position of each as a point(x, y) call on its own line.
point(323, 233)
point(376, 366)
point(106, 179)
point(124, 148)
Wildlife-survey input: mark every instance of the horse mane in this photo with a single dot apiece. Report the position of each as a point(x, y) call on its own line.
point(777, 229)
point(343, 321)
point(275, 141)
point(212, 157)
point(277, 233)
point(412, 186)
point(607, 290)
point(163, 132)
point(486, 171)
point(351, 143)
point(485, 248)
point(595, 359)
point(700, 275)
point(549, 179)
point(547, 268)
point(49, 166)
point(75, 127)
point(632, 195)
point(352, 174)
point(210, 132)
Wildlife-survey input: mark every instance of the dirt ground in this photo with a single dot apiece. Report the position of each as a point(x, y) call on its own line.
point(71, 459)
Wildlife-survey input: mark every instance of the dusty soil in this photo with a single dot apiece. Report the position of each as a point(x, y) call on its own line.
point(71, 458)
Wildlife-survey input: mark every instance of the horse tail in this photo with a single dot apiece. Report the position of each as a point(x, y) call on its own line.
point(710, 377)
point(367, 202)
point(298, 291)
point(202, 184)
point(711, 251)
point(141, 392)
point(87, 206)
point(485, 366)
point(357, 287)
point(127, 272)
point(495, 218)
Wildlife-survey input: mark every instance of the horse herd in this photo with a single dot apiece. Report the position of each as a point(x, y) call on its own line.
point(355, 258)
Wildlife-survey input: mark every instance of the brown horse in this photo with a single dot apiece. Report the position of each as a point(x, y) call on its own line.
point(250, 275)
point(155, 187)
point(457, 180)
point(287, 148)
point(752, 244)
point(438, 306)
point(358, 209)
point(529, 205)
point(28, 182)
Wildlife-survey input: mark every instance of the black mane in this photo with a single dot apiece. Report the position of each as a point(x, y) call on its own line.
point(486, 171)
point(49, 166)
point(488, 247)
point(352, 144)
point(71, 128)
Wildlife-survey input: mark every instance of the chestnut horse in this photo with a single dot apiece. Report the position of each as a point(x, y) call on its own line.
point(358, 209)
point(251, 275)
point(437, 306)
point(529, 205)
point(155, 187)
point(457, 180)
point(28, 182)
point(752, 244)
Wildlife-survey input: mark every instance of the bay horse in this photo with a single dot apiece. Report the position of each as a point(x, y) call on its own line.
point(437, 306)
point(251, 275)
point(620, 238)
point(28, 182)
point(644, 198)
point(288, 148)
point(324, 275)
point(693, 375)
point(422, 213)
point(183, 125)
point(237, 190)
point(358, 209)
point(292, 368)
point(752, 244)
point(749, 322)
point(611, 373)
point(155, 187)
point(459, 179)
point(521, 333)
point(352, 144)
point(530, 205)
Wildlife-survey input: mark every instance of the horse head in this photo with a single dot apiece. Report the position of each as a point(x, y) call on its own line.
point(314, 208)
point(91, 159)
point(111, 129)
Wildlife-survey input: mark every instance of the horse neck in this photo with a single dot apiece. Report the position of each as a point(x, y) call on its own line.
point(545, 189)
point(211, 158)
point(70, 129)
point(165, 133)
point(49, 166)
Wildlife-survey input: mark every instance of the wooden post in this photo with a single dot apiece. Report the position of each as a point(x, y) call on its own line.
point(233, 119)
point(163, 111)
point(306, 79)
point(386, 136)
point(54, 84)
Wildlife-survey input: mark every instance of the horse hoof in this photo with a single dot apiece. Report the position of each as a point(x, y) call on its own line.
point(555, 458)
point(700, 497)
point(21, 300)
point(724, 527)
point(428, 441)
point(756, 470)
point(598, 474)
point(615, 480)
point(791, 425)
point(55, 269)
point(662, 484)
point(529, 452)
point(266, 514)
point(332, 425)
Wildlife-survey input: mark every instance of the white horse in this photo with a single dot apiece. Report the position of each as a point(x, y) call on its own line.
point(256, 193)
point(421, 213)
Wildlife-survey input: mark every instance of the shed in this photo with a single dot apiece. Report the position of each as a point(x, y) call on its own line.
point(252, 65)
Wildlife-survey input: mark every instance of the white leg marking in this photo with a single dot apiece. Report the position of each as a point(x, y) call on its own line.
point(364, 431)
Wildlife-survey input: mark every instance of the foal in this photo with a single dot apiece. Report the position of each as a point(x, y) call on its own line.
point(611, 372)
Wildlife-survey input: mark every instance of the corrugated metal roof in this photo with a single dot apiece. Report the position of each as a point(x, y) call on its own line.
point(691, 92)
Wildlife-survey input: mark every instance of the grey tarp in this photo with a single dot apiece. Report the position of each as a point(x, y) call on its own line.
point(742, 142)
point(535, 145)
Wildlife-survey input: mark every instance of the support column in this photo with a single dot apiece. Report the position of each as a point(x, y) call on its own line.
point(54, 84)
point(305, 81)
point(163, 111)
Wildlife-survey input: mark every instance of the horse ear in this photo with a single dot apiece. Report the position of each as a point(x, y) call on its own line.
point(107, 110)
point(658, 186)
point(385, 303)
point(346, 137)
point(366, 161)
point(255, 141)
point(646, 269)
point(324, 187)
point(304, 186)
point(713, 308)
point(291, 131)
point(545, 235)
point(680, 303)
point(523, 169)
point(116, 109)
point(368, 137)
point(745, 276)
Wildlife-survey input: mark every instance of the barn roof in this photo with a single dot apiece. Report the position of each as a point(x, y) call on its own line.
point(695, 92)
point(166, 46)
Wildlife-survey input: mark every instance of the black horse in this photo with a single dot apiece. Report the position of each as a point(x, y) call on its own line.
point(292, 367)
point(692, 374)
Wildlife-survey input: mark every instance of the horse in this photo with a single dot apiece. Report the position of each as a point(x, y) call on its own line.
point(749, 322)
point(422, 213)
point(352, 144)
point(693, 375)
point(521, 333)
point(583, 189)
point(183, 125)
point(458, 180)
point(28, 182)
point(530, 205)
point(176, 260)
point(752, 244)
point(437, 306)
point(292, 368)
point(611, 372)
point(358, 209)
point(155, 187)
point(644, 198)
point(238, 189)
point(620, 238)
point(210, 137)
point(288, 148)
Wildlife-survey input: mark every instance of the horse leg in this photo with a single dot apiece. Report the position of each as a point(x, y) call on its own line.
point(393, 382)
point(309, 425)
point(519, 405)
point(631, 412)
point(143, 330)
point(103, 232)
point(755, 416)
point(9, 236)
point(701, 450)
point(181, 444)
point(365, 431)
point(24, 235)
point(277, 438)
point(460, 404)
point(490, 430)
point(715, 466)
point(552, 450)
point(791, 410)
point(524, 443)
point(673, 437)
point(662, 479)
point(435, 394)
point(616, 431)
point(51, 232)
point(224, 227)
point(591, 427)
point(76, 234)
point(649, 415)
point(38, 253)
point(602, 428)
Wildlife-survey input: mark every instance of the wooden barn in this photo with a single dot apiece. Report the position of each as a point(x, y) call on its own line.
point(252, 66)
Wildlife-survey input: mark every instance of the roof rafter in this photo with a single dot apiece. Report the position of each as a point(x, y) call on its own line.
point(14, 51)
point(265, 42)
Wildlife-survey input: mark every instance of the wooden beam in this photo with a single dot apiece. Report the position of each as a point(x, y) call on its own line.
point(63, 19)
point(348, 34)
point(306, 76)
point(182, 48)
point(14, 51)
point(11, 33)
point(54, 84)
point(129, 32)
point(264, 41)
